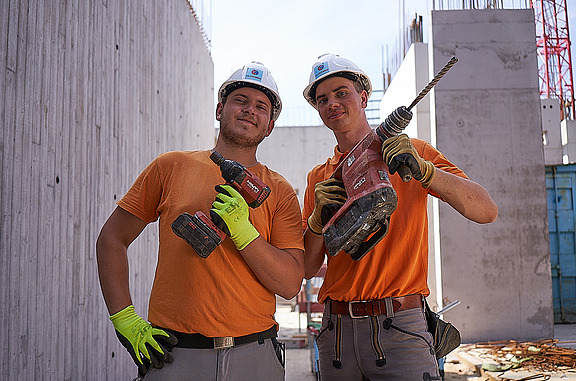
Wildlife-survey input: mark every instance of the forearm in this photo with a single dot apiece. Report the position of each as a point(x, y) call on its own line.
point(281, 271)
point(116, 235)
point(469, 198)
point(113, 273)
point(314, 253)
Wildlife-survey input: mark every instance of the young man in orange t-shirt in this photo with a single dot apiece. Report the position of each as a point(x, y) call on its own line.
point(374, 325)
point(211, 318)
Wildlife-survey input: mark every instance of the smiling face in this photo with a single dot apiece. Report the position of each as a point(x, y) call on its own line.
point(340, 105)
point(245, 117)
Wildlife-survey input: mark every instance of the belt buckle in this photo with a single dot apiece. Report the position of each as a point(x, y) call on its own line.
point(352, 313)
point(223, 342)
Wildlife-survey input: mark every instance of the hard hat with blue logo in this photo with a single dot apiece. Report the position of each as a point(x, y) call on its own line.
point(333, 65)
point(257, 76)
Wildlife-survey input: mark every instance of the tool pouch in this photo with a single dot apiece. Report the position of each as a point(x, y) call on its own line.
point(446, 336)
point(280, 348)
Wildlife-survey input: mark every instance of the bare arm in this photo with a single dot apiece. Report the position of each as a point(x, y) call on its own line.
point(314, 255)
point(281, 271)
point(116, 235)
point(469, 198)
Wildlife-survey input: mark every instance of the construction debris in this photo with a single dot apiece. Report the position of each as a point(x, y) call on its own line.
point(541, 356)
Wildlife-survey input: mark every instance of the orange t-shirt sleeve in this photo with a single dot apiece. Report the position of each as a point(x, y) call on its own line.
point(144, 196)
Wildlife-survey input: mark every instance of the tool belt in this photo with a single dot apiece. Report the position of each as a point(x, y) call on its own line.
point(198, 341)
point(376, 307)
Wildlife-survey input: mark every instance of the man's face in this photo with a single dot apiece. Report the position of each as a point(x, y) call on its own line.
point(339, 104)
point(245, 117)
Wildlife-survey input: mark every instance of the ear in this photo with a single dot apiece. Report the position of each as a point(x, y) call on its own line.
point(364, 98)
point(219, 108)
point(270, 128)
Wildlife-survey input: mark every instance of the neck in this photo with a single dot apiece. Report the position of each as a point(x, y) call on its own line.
point(244, 156)
point(348, 139)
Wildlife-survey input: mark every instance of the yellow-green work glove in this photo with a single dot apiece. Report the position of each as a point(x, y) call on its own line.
point(233, 210)
point(329, 195)
point(146, 345)
point(399, 150)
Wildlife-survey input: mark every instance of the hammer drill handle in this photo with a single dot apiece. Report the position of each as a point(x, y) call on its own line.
point(404, 172)
point(392, 126)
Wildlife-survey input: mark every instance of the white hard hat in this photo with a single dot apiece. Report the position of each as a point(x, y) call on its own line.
point(255, 75)
point(332, 64)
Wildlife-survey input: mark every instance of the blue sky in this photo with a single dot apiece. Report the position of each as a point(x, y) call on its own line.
point(288, 37)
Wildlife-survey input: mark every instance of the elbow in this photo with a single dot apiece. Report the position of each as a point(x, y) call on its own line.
point(490, 214)
point(494, 214)
point(310, 273)
point(311, 269)
point(100, 245)
point(292, 287)
point(291, 292)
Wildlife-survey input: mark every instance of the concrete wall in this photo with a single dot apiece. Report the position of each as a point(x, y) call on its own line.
point(293, 151)
point(487, 117)
point(551, 133)
point(411, 78)
point(90, 93)
point(568, 133)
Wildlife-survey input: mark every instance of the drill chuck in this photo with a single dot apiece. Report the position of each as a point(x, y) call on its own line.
point(245, 182)
point(395, 123)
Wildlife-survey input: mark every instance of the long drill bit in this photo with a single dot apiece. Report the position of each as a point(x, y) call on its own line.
point(433, 82)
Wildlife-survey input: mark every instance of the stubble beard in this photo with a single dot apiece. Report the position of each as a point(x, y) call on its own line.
point(239, 140)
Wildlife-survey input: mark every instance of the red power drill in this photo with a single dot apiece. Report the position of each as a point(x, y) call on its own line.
point(363, 220)
point(205, 234)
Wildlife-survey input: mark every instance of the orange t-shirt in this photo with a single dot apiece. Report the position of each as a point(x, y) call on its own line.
point(398, 264)
point(219, 295)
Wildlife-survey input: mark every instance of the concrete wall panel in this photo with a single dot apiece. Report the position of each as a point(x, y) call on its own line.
point(488, 121)
point(293, 151)
point(90, 93)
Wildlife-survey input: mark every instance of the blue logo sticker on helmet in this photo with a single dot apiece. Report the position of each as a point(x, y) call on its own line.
point(253, 74)
point(320, 69)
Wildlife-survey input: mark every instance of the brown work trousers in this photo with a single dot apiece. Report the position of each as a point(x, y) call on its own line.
point(353, 351)
point(251, 361)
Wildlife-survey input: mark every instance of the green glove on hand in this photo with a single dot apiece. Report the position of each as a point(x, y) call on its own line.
point(399, 150)
point(329, 195)
point(142, 340)
point(233, 210)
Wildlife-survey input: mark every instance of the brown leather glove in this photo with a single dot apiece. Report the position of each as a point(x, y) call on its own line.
point(329, 195)
point(399, 150)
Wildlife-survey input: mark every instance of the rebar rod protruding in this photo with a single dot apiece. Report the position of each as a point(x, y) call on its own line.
point(435, 80)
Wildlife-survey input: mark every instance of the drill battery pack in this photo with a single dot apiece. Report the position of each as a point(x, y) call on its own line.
point(199, 232)
point(362, 223)
point(363, 220)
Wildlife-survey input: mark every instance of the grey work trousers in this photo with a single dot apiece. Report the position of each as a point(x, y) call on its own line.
point(251, 361)
point(354, 349)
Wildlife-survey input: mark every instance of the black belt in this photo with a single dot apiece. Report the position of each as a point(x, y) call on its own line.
point(198, 341)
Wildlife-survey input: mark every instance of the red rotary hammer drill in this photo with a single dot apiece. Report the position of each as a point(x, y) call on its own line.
point(363, 220)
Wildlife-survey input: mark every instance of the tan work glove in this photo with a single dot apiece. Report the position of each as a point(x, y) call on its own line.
point(329, 195)
point(399, 150)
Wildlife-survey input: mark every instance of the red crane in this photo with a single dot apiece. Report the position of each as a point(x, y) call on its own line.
point(554, 56)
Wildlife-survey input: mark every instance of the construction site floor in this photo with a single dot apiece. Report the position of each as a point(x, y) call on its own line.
point(469, 362)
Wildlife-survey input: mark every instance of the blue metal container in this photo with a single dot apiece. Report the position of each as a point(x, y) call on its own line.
point(561, 191)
